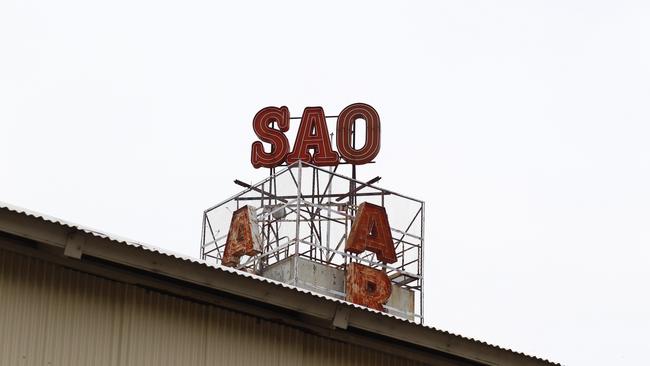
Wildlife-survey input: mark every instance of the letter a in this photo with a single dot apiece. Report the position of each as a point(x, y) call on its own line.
point(243, 237)
point(371, 231)
point(313, 134)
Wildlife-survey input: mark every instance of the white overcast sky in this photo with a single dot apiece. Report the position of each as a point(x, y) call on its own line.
point(524, 126)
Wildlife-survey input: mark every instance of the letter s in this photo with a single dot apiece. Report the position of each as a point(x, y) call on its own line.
point(276, 137)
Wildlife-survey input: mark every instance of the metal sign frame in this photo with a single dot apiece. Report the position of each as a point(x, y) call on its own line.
point(306, 211)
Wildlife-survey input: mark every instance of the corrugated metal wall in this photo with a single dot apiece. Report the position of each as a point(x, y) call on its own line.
point(50, 315)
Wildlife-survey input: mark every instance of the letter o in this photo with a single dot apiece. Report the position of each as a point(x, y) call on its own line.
point(344, 133)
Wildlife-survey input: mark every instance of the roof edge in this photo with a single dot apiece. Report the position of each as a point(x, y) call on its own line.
point(61, 234)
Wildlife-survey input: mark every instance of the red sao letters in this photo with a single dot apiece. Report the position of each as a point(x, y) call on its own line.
point(312, 143)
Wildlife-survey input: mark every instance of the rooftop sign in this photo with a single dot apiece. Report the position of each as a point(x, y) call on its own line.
point(312, 144)
point(310, 226)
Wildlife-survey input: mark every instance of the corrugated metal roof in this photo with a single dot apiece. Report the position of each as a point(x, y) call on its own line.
point(150, 248)
point(53, 315)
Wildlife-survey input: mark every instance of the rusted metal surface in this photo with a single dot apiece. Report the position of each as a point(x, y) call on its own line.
point(367, 286)
point(330, 281)
point(371, 231)
point(243, 237)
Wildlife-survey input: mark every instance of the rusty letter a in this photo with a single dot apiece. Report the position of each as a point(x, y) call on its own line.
point(243, 237)
point(371, 231)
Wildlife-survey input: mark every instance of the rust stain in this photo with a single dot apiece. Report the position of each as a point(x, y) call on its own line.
point(367, 286)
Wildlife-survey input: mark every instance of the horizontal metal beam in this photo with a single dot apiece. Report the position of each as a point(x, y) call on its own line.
point(360, 187)
point(313, 196)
